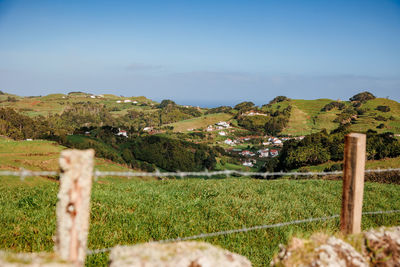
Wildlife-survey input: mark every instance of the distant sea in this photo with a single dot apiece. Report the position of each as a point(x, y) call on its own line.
point(213, 104)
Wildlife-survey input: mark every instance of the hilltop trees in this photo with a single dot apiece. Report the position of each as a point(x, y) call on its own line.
point(166, 103)
point(362, 97)
point(244, 106)
point(278, 99)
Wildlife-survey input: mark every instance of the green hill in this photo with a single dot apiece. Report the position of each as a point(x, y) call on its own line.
point(308, 117)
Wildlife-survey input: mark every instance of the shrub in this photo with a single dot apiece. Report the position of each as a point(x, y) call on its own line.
point(278, 99)
point(380, 126)
point(383, 108)
point(362, 97)
point(380, 118)
point(332, 105)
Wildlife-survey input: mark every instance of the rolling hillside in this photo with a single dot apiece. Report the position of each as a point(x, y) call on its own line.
point(306, 116)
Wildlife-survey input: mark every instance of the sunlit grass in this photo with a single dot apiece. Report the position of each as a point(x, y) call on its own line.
point(135, 211)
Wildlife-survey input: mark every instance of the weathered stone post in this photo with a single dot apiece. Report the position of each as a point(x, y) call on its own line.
point(73, 206)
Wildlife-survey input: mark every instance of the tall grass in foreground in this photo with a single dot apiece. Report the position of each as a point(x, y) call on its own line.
point(135, 211)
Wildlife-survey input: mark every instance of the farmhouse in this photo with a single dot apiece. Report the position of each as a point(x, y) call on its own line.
point(248, 164)
point(254, 113)
point(274, 152)
point(223, 124)
point(229, 142)
point(122, 133)
point(222, 133)
point(147, 129)
point(264, 153)
point(127, 101)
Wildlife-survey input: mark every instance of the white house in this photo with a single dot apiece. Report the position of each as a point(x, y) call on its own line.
point(248, 164)
point(122, 133)
point(229, 142)
point(264, 153)
point(147, 129)
point(92, 96)
point(118, 101)
point(127, 101)
point(223, 124)
point(274, 152)
point(254, 113)
point(222, 133)
point(134, 102)
point(209, 128)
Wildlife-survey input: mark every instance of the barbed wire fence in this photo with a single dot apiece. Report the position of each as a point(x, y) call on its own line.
point(23, 173)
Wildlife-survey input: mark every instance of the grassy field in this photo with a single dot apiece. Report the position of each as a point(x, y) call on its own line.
point(40, 155)
point(56, 103)
point(200, 122)
point(135, 211)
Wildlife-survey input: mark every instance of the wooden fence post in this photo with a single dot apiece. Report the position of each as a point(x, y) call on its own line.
point(73, 206)
point(353, 183)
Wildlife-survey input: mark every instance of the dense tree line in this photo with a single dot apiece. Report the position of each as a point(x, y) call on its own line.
point(320, 147)
point(18, 126)
point(221, 109)
point(172, 154)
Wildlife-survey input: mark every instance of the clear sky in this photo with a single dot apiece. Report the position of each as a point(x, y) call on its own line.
point(201, 52)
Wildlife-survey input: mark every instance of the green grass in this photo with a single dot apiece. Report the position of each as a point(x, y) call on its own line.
point(200, 122)
point(41, 155)
point(134, 211)
point(307, 117)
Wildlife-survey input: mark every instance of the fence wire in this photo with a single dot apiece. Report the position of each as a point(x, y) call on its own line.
point(247, 229)
point(129, 174)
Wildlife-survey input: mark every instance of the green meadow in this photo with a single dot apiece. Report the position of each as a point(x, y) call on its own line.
point(135, 211)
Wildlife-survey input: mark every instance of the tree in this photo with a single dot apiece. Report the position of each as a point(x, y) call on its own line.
point(362, 97)
point(166, 103)
point(278, 99)
point(244, 106)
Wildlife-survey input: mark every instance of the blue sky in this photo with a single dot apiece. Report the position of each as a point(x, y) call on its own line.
point(201, 52)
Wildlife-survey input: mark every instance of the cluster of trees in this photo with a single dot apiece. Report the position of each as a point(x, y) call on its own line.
point(273, 123)
point(320, 147)
point(332, 105)
point(18, 126)
point(278, 99)
point(347, 116)
point(362, 97)
point(146, 151)
point(171, 154)
point(221, 109)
